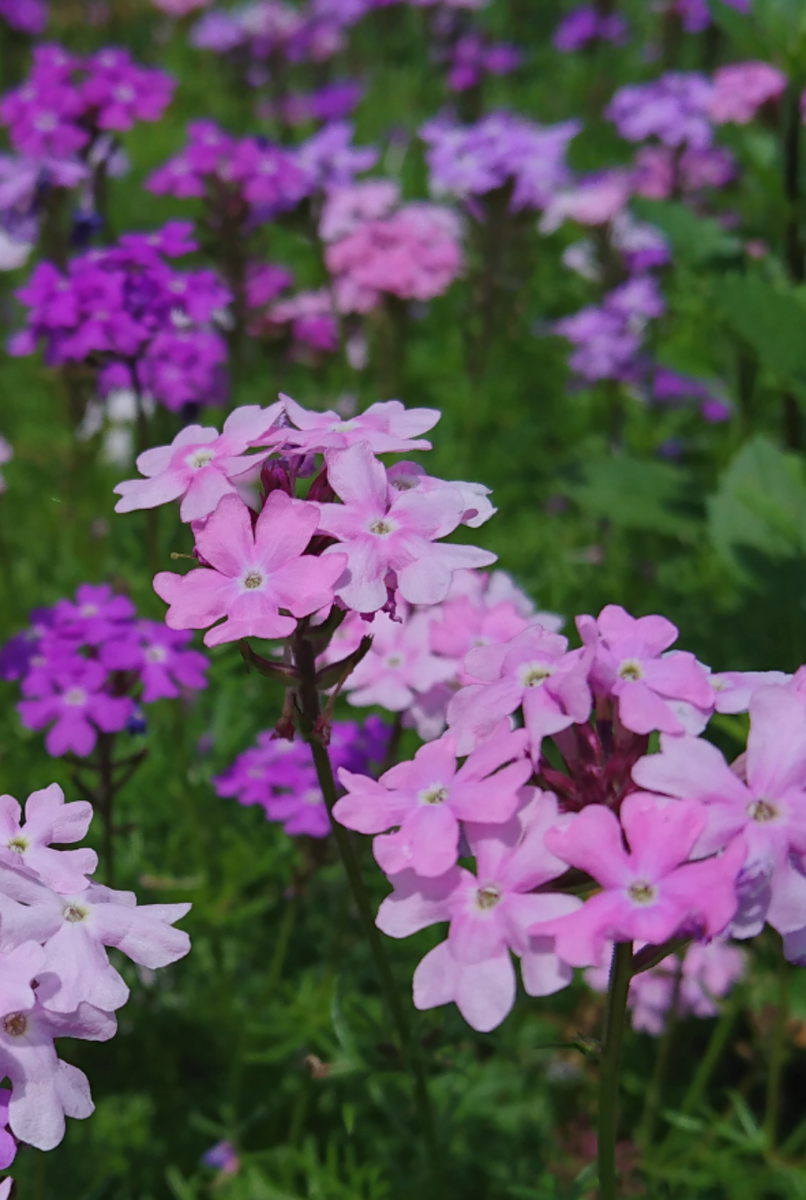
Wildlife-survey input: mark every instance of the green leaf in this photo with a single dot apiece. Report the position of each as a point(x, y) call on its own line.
point(635, 494)
point(760, 503)
point(773, 322)
point(693, 239)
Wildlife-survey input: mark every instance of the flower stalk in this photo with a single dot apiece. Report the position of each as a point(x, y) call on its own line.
point(615, 1016)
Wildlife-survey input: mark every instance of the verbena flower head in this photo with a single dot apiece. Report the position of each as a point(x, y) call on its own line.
point(55, 976)
point(673, 108)
point(608, 337)
point(501, 150)
point(279, 775)
point(148, 326)
point(584, 25)
point(740, 89)
point(26, 16)
point(68, 100)
point(84, 665)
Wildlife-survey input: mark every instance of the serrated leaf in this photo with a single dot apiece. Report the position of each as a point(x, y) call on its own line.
point(773, 322)
point(635, 494)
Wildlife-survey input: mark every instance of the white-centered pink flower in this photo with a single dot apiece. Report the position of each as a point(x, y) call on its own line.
point(388, 427)
point(202, 465)
point(390, 536)
point(253, 574)
point(48, 819)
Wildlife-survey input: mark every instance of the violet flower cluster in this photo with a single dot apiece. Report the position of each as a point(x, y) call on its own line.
point(279, 775)
point(269, 560)
point(56, 979)
point(25, 16)
point(676, 844)
point(87, 665)
point(124, 310)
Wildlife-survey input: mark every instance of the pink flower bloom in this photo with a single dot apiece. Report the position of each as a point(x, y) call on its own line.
point(17, 969)
point(652, 691)
point(491, 913)
point(43, 1089)
point(649, 892)
point(200, 465)
point(534, 670)
point(740, 89)
point(48, 819)
point(594, 201)
point(160, 656)
point(382, 533)
point(252, 573)
point(428, 797)
point(406, 476)
point(386, 426)
point(735, 689)
point(769, 809)
point(79, 706)
point(399, 665)
point(346, 209)
point(77, 969)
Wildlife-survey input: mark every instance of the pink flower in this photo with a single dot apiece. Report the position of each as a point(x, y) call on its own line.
point(406, 476)
point(491, 913)
point(43, 1089)
point(740, 89)
point(382, 533)
point(594, 201)
point(428, 797)
point(649, 892)
point(670, 693)
point(399, 665)
point(733, 690)
point(534, 670)
point(6, 1186)
point(768, 809)
point(386, 426)
point(17, 969)
point(48, 819)
point(346, 209)
point(252, 573)
point(200, 465)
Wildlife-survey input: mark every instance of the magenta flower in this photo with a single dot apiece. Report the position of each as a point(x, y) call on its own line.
point(740, 89)
point(428, 797)
point(491, 913)
point(162, 660)
point(77, 704)
point(96, 615)
point(386, 426)
point(669, 692)
point(48, 819)
point(767, 805)
point(200, 465)
point(650, 892)
point(381, 534)
point(43, 1088)
point(252, 574)
point(534, 670)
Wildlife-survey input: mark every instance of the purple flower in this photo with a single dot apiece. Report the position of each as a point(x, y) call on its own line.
point(78, 705)
point(673, 108)
point(584, 24)
point(26, 16)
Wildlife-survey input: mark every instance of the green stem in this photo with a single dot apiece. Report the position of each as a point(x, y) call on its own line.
point(777, 1053)
point(310, 708)
point(615, 1014)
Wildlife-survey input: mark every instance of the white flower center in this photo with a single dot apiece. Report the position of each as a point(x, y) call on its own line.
point(394, 661)
point(45, 121)
point(75, 697)
point(641, 892)
point(534, 674)
point(15, 1024)
point(253, 579)
point(18, 844)
point(630, 670)
point(88, 610)
point(74, 913)
point(155, 654)
point(381, 527)
point(762, 811)
point(436, 794)
point(199, 458)
point(124, 92)
point(488, 896)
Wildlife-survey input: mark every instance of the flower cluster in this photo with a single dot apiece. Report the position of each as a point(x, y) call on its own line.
point(353, 540)
point(279, 775)
point(675, 844)
point(124, 310)
point(26, 16)
point(500, 151)
point(56, 979)
point(67, 102)
point(85, 665)
point(377, 246)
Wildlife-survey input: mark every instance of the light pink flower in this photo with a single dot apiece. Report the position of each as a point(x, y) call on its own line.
point(386, 426)
point(5, 1188)
point(48, 819)
point(594, 201)
point(252, 573)
point(652, 688)
point(200, 465)
point(649, 892)
point(429, 796)
point(735, 689)
point(18, 969)
point(43, 1089)
point(383, 533)
point(408, 476)
point(534, 670)
point(491, 913)
point(347, 208)
point(769, 809)
point(740, 89)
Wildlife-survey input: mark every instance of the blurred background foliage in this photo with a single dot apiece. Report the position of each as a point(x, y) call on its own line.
point(271, 1034)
